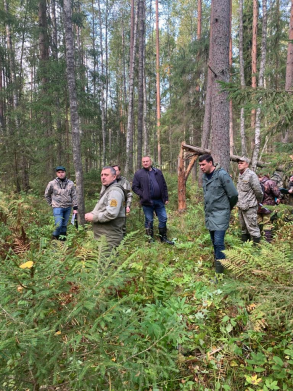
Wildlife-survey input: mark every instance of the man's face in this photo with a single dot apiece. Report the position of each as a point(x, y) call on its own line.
point(118, 172)
point(242, 165)
point(206, 167)
point(107, 177)
point(291, 178)
point(146, 162)
point(61, 174)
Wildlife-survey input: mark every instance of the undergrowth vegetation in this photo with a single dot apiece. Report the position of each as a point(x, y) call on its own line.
point(147, 316)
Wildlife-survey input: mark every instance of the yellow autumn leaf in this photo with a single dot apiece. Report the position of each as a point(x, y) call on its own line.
point(58, 332)
point(27, 265)
point(255, 380)
point(233, 364)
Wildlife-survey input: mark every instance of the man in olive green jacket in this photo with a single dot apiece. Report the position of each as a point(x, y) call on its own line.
point(108, 216)
point(220, 196)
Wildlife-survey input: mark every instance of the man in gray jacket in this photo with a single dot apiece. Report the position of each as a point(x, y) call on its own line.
point(249, 196)
point(108, 216)
point(60, 194)
point(220, 196)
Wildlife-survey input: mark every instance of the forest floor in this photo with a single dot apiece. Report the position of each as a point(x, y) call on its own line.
point(148, 317)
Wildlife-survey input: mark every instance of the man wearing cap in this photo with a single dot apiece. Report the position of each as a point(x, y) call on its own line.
point(108, 216)
point(61, 195)
point(249, 196)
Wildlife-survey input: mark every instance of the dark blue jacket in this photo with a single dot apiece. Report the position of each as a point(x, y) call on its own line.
point(141, 185)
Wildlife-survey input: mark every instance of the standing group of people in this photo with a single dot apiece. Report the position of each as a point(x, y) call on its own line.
point(109, 215)
point(220, 196)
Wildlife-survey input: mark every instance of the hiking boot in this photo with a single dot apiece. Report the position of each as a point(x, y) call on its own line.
point(218, 266)
point(256, 240)
point(163, 236)
point(150, 233)
point(268, 235)
point(245, 237)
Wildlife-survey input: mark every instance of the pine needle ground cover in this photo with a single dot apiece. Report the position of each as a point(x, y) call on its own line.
point(146, 317)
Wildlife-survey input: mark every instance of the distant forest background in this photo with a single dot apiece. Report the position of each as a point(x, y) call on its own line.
point(138, 81)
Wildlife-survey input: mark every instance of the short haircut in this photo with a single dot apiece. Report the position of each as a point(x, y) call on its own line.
point(112, 169)
point(116, 165)
point(208, 158)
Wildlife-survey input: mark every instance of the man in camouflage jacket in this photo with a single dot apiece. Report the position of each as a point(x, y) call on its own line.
point(61, 195)
point(108, 216)
point(272, 196)
point(249, 196)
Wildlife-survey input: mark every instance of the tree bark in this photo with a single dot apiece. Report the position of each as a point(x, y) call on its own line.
point(220, 72)
point(242, 80)
point(158, 85)
point(257, 137)
point(74, 117)
point(289, 66)
point(129, 133)
point(254, 56)
point(141, 45)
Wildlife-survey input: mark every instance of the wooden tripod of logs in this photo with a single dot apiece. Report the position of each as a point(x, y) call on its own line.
point(191, 153)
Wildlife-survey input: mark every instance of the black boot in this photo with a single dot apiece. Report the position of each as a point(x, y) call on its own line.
point(218, 266)
point(163, 236)
point(62, 236)
point(150, 233)
point(245, 237)
point(55, 237)
point(268, 235)
point(256, 240)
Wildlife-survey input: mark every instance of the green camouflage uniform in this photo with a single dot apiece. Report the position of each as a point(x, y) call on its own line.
point(249, 195)
point(109, 215)
point(61, 194)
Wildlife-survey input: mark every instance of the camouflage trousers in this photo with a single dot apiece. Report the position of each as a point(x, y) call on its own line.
point(248, 221)
point(264, 220)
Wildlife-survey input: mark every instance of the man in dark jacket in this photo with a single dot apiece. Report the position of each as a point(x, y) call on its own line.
point(150, 185)
point(220, 196)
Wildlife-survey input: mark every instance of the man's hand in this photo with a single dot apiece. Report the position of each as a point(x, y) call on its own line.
point(166, 202)
point(88, 217)
point(127, 209)
point(278, 201)
point(75, 212)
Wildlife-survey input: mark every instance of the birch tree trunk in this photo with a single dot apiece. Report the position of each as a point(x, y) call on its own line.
point(257, 136)
point(254, 55)
point(158, 85)
point(231, 130)
point(220, 72)
point(74, 117)
point(141, 45)
point(129, 133)
point(242, 80)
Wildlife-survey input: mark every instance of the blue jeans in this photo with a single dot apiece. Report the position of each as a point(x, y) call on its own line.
point(218, 243)
point(61, 216)
point(158, 207)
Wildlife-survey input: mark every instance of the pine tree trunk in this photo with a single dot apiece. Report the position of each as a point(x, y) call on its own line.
point(102, 89)
point(220, 72)
point(74, 117)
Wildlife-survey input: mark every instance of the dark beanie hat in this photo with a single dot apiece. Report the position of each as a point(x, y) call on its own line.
point(60, 168)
